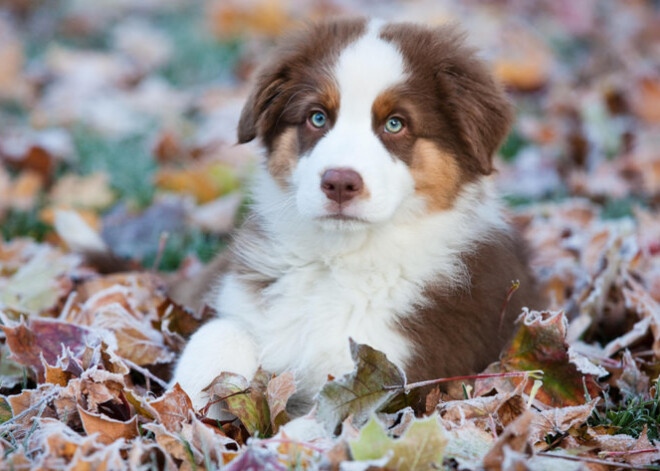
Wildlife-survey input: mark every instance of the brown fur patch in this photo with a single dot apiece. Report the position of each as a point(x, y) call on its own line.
point(437, 175)
point(284, 156)
point(458, 333)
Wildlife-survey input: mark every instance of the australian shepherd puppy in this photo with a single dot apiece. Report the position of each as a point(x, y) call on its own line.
point(373, 218)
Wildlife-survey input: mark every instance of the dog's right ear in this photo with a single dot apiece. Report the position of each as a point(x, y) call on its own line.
point(269, 86)
point(298, 54)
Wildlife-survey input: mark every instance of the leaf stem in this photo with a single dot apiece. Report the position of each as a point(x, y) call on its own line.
point(206, 408)
point(629, 452)
point(431, 382)
point(512, 289)
point(585, 459)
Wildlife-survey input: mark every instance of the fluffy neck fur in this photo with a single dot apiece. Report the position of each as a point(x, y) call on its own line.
point(419, 244)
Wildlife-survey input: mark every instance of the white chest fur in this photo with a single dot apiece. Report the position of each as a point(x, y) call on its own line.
point(331, 286)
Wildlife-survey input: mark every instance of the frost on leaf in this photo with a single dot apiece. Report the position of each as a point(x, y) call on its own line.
point(246, 400)
point(46, 339)
point(421, 447)
point(374, 381)
point(540, 344)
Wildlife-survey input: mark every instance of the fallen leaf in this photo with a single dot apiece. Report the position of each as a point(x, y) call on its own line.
point(540, 344)
point(279, 390)
point(174, 408)
point(40, 283)
point(25, 190)
point(513, 439)
point(374, 381)
point(46, 339)
point(136, 341)
point(421, 447)
point(559, 420)
point(256, 458)
point(108, 429)
point(247, 401)
point(82, 192)
point(205, 182)
point(5, 410)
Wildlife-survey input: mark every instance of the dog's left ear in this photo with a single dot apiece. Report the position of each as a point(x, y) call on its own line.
point(482, 113)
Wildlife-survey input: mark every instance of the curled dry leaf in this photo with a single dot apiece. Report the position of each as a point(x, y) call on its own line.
point(47, 339)
point(206, 182)
point(559, 420)
point(108, 430)
point(78, 192)
point(279, 390)
point(374, 381)
point(174, 408)
point(246, 400)
point(540, 344)
point(40, 282)
point(136, 341)
point(515, 439)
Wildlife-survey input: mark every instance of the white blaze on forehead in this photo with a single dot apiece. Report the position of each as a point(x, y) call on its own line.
point(364, 70)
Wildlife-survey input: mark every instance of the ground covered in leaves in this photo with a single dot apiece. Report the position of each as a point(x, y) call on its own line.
point(121, 119)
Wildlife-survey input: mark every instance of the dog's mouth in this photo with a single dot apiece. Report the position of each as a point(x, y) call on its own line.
point(341, 217)
point(340, 221)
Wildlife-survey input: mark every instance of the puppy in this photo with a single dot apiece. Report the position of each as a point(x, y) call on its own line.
point(373, 216)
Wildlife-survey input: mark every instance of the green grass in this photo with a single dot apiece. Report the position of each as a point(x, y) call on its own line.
point(631, 416)
point(620, 208)
point(178, 246)
point(24, 224)
point(198, 57)
point(513, 144)
point(127, 161)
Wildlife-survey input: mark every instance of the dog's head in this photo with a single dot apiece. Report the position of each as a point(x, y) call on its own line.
point(359, 118)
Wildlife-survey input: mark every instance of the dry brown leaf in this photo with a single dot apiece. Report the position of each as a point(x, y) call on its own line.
point(278, 392)
point(524, 63)
point(559, 420)
point(136, 341)
point(205, 181)
point(41, 280)
point(514, 438)
point(31, 402)
point(25, 190)
point(638, 299)
point(47, 339)
point(261, 17)
point(173, 444)
point(108, 429)
point(90, 192)
point(646, 99)
point(174, 409)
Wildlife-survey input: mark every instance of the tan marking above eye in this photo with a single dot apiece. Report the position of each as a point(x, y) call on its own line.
point(383, 105)
point(436, 173)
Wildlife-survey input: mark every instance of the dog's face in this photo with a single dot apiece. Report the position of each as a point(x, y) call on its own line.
point(359, 119)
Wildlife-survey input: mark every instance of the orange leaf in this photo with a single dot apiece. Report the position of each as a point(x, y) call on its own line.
point(108, 429)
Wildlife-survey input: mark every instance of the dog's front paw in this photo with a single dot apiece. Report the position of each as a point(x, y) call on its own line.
point(220, 345)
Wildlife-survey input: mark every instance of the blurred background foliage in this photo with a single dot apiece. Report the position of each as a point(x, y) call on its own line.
point(126, 112)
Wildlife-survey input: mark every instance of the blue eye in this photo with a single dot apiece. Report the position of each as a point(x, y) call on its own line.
point(393, 125)
point(318, 119)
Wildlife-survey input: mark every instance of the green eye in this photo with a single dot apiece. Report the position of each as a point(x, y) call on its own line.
point(393, 125)
point(318, 119)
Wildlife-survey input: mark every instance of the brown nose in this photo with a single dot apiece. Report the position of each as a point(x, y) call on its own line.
point(341, 184)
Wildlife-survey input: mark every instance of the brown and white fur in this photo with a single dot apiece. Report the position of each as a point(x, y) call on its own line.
point(413, 256)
